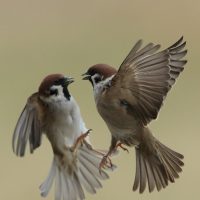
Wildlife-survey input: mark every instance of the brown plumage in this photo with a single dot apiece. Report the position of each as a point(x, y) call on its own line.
point(104, 69)
point(128, 99)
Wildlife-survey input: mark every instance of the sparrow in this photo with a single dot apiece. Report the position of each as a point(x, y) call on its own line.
point(130, 98)
point(54, 112)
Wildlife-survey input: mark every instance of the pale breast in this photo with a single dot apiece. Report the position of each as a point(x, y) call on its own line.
point(64, 123)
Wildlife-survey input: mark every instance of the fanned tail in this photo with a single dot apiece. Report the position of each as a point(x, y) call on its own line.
point(156, 167)
point(69, 184)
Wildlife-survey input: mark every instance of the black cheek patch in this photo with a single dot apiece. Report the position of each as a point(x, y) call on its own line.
point(53, 92)
point(97, 79)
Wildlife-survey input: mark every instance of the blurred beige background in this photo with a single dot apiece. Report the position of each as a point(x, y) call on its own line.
point(38, 37)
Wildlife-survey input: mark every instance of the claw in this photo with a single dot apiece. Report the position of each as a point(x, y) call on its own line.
point(105, 162)
point(80, 140)
point(122, 147)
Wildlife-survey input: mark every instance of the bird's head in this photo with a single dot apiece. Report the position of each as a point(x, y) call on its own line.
point(54, 87)
point(98, 73)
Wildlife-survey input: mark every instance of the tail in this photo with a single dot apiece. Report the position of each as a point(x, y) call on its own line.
point(69, 184)
point(156, 164)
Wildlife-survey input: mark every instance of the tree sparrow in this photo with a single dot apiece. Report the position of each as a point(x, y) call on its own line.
point(128, 99)
point(54, 112)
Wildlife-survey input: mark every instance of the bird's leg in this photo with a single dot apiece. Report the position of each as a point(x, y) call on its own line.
point(120, 144)
point(106, 161)
point(80, 140)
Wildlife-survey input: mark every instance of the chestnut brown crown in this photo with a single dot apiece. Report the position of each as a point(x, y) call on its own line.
point(48, 81)
point(104, 70)
point(46, 89)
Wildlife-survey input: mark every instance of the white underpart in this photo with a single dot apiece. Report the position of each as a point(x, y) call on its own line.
point(69, 123)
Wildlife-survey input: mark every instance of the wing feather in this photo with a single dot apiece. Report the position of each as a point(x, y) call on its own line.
point(28, 128)
point(147, 75)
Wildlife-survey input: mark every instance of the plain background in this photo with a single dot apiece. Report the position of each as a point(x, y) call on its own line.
point(39, 37)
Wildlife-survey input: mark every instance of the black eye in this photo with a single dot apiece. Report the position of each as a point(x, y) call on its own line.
point(53, 91)
point(58, 82)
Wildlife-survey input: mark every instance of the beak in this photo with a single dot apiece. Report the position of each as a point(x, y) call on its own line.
point(69, 80)
point(86, 76)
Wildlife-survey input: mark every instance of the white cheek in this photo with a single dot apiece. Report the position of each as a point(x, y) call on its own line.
point(60, 92)
point(55, 98)
point(99, 87)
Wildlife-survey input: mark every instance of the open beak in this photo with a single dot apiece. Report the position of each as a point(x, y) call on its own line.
point(69, 80)
point(86, 76)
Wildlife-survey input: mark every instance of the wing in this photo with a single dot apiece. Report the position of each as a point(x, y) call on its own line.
point(28, 128)
point(146, 75)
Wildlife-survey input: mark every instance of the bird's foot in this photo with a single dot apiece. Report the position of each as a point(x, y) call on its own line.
point(122, 147)
point(105, 163)
point(80, 140)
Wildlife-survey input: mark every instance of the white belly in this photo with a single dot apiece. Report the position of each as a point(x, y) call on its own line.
point(66, 125)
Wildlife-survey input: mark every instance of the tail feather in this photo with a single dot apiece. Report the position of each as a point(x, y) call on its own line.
point(88, 171)
point(93, 163)
point(171, 166)
point(58, 185)
point(86, 182)
point(150, 175)
point(69, 185)
point(173, 154)
point(162, 177)
point(69, 189)
point(157, 177)
point(64, 187)
point(167, 169)
point(143, 175)
point(156, 167)
point(137, 173)
point(78, 187)
point(45, 187)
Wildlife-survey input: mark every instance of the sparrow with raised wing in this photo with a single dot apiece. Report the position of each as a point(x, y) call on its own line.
point(128, 99)
point(54, 112)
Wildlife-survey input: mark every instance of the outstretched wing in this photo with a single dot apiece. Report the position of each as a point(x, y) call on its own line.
point(28, 128)
point(146, 75)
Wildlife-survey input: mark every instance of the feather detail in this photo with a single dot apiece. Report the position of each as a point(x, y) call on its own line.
point(148, 75)
point(69, 184)
point(155, 165)
point(28, 128)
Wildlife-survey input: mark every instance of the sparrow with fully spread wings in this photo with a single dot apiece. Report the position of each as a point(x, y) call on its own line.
point(128, 99)
point(54, 112)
